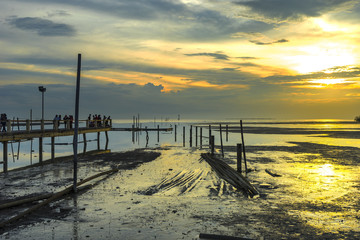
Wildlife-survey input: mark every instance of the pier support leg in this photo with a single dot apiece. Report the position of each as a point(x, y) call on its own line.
point(191, 135)
point(40, 149)
point(98, 141)
point(196, 136)
point(200, 137)
point(5, 156)
point(238, 156)
point(175, 132)
point(158, 133)
point(52, 148)
point(84, 138)
point(184, 136)
point(107, 140)
point(212, 145)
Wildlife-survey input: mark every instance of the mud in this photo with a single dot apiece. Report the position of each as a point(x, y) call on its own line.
point(170, 193)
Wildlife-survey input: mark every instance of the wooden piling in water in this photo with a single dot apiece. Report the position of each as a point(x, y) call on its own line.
point(190, 135)
point(196, 136)
point(200, 137)
point(40, 149)
point(243, 145)
point(221, 142)
point(238, 156)
point(85, 143)
point(107, 140)
point(175, 132)
point(183, 136)
point(5, 156)
point(98, 140)
point(52, 148)
point(227, 133)
point(212, 144)
point(209, 135)
point(158, 133)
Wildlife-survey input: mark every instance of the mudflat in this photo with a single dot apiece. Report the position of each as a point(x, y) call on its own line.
point(171, 193)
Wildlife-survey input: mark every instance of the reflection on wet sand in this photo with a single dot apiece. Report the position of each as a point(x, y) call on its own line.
point(176, 196)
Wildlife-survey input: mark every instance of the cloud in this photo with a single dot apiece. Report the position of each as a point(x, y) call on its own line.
point(42, 27)
point(268, 43)
point(283, 10)
point(218, 56)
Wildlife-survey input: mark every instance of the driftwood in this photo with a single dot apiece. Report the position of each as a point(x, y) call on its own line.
point(227, 173)
point(53, 198)
point(271, 173)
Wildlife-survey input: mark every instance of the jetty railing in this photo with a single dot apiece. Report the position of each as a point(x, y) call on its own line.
point(18, 130)
point(30, 125)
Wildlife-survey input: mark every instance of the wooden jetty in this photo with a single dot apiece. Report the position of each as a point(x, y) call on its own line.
point(19, 130)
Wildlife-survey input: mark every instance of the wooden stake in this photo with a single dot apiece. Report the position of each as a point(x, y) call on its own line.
point(239, 153)
point(243, 145)
point(221, 142)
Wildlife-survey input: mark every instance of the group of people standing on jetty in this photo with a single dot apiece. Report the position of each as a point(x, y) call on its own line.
point(96, 121)
point(67, 120)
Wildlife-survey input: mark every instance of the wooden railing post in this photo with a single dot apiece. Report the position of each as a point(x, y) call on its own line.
point(8, 125)
point(212, 144)
point(27, 125)
point(42, 125)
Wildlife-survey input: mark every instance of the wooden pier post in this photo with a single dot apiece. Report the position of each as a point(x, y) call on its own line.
point(133, 132)
point(243, 145)
point(85, 143)
point(227, 133)
point(98, 141)
point(196, 136)
point(27, 125)
point(175, 131)
point(209, 136)
point(5, 156)
point(107, 140)
point(200, 137)
point(238, 156)
point(221, 142)
point(42, 125)
point(212, 144)
point(158, 133)
point(183, 136)
point(53, 148)
point(40, 149)
point(190, 135)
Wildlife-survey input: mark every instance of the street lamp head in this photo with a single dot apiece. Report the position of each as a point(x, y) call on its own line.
point(42, 89)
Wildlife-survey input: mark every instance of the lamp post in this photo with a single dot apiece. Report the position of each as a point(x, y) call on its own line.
point(42, 90)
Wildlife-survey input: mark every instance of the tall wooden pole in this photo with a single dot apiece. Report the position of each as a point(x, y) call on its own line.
point(75, 142)
point(243, 145)
point(221, 142)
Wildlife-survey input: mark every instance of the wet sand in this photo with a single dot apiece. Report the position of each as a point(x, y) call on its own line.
point(170, 193)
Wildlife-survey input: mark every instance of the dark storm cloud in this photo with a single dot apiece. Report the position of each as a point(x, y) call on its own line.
point(188, 22)
point(218, 56)
point(43, 27)
point(293, 9)
point(269, 43)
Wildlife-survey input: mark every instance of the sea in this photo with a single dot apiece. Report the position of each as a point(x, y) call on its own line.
point(256, 132)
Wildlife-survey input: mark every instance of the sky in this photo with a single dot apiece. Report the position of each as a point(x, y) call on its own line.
point(209, 59)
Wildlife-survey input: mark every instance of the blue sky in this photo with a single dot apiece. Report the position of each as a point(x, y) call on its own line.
point(200, 58)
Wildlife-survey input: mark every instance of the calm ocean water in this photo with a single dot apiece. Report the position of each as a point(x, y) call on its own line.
point(266, 132)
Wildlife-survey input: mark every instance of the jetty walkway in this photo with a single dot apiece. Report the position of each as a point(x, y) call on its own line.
point(23, 130)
